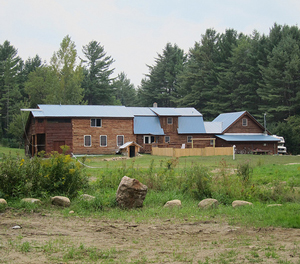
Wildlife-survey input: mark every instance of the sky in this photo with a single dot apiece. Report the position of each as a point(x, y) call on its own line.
point(133, 32)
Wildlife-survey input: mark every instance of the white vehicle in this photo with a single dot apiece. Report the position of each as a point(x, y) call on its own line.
point(281, 149)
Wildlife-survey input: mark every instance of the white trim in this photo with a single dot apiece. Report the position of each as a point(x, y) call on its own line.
point(122, 140)
point(90, 140)
point(105, 140)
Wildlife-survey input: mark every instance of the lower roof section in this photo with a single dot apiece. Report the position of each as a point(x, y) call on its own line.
point(147, 125)
point(191, 125)
point(248, 137)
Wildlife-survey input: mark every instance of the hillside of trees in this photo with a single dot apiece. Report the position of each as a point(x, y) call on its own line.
point(222, 72)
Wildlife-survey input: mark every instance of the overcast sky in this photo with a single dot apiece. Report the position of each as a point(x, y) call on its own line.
point(133, 32)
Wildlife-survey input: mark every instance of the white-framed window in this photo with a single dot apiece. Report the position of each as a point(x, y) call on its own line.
point(87, 140)
point(167, 139)
point(170, 120)
point(120, 140)
point(189, 139)
point(103, 141)
point(150, 139)
point(96, 122)
point(244, 122)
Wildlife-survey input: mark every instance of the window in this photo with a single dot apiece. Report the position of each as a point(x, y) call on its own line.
point(211, 142)
point(169, 120)
point(189, 139)
point(244, 122)
point(167, 139)
point(150, 139)
point(120, 140)
point(96, 122)
point(103, 141)
point(87, 141)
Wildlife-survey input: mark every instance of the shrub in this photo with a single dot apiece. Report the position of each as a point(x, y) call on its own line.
point(59, 174)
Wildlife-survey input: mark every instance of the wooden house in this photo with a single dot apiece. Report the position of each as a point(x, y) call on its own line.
point(92, 129)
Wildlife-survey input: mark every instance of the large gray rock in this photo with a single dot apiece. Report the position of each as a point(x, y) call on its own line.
point(61, 201)
point(131, 193)
point(31, 200)
point(3, 201)
point(208, 203)
point(173, 203)
point(238, 203)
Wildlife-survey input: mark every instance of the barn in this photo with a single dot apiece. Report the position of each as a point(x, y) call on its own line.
point(99, 129)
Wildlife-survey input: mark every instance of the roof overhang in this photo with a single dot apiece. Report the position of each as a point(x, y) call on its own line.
point(248, 138)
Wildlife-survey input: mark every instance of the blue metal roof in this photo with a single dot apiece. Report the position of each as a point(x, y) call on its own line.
point(190, 125)
point(228, 118)
point(248, 137)
point(169, 111)
point(141, 111)
point(147, 125)
point(82, 111)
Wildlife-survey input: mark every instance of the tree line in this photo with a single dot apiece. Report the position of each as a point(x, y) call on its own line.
point(223, 72)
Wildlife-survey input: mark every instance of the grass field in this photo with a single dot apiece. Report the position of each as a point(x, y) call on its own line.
point(101, 232)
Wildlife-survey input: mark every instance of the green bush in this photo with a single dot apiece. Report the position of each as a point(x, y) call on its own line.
point(58, 174)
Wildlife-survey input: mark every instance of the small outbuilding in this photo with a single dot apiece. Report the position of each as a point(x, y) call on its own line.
point(130, 149)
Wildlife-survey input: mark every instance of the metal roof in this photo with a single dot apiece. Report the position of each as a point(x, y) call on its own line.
point(190, 125)
point(248, 137)
point(169, 111)
point(228, 118)
point(82, 111)
point(213, 127)
point(147, 125)
point(129, 144)
point(141, 111)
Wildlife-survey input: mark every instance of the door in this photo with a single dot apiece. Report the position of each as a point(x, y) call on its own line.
point(57, 146)
point(132, 151)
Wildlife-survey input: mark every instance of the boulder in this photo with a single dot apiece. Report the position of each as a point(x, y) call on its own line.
point(3, 201)
point(31, 200)
point(208, 203)
point(173, 203)
point(61, 201)
point(238, 203)
point(274, 205)
point(131, 193)
point(87, 197)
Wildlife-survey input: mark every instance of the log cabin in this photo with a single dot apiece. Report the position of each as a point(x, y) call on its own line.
point(99, 129)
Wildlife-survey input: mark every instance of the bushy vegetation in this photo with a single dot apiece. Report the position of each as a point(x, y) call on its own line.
point(40, 177)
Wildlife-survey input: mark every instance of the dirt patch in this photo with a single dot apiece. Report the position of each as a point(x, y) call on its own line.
point(56, 239)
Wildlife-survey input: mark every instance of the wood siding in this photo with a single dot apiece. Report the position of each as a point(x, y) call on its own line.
point(111, 127)
point(252, 126)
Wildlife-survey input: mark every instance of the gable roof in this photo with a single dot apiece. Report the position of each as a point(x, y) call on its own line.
point(228, 119)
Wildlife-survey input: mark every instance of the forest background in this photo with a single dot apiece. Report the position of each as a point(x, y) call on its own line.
point(223, 72)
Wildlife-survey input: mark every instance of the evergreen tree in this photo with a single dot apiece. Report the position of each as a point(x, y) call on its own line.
point(9, 87)
point(160, 85)
point(97, 72)
point(125, 92)
point(200, 75)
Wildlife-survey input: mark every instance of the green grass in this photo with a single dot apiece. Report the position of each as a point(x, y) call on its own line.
point(12, 151)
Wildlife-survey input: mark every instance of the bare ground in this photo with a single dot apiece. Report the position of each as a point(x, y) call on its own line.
point(51, 238)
